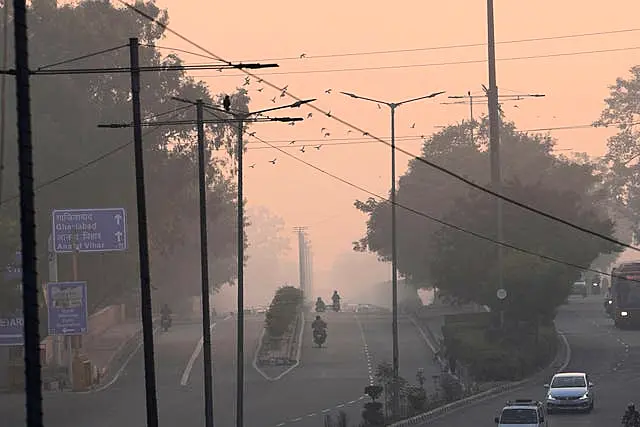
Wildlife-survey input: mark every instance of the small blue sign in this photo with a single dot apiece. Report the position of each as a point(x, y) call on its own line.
point(11, 331)
point(67, 307)
point(89, 230)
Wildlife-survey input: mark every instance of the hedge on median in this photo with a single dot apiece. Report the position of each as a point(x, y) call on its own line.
point(492, 354)
point(283, 310)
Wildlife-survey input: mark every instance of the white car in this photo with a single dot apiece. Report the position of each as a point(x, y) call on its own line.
point(522, 413)
point(570, 391)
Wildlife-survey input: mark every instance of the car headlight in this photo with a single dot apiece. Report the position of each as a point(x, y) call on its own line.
point(624, 314)
point(549, 397)
point(585, 396)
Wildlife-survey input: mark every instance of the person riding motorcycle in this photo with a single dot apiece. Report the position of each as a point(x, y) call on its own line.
point(165, 314)
point(320, 305)
point(319, 324)
point(336, 301)
point(631, 417)
point(319, 327)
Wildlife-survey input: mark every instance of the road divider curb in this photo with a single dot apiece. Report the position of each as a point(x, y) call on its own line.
point(292, 344)
point(559, 363)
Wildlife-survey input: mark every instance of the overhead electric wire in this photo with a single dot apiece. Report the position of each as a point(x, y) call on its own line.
point(419, 159)
point(93, 161)
point(437, 220)
point(431, 64)
point(418, 49)
point(363, 140)
point(79, 58)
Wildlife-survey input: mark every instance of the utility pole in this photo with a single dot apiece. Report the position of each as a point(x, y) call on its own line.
point(240, 290)
point(302, 255)
point(33, 379)
point(494, 134)
point(470, 97)
point(143, 244)
point(204, 268)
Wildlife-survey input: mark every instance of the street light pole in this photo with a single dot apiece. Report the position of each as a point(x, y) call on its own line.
point(394, 252)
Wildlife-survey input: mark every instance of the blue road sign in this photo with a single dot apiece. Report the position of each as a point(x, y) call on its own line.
point(11, 331)
point(89, 230)
point(13, 271)
point(67, 308)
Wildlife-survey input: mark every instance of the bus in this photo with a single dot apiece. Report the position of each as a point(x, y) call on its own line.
point(625, 294)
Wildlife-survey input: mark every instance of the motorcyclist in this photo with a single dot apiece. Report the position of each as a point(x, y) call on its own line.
point(320, 305)
point(165, 313)
point(631, 417)
point(335, 298)
point(319, 324)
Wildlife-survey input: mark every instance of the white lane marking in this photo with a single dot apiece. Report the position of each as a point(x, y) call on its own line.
point(196, 352)
point(365, 347)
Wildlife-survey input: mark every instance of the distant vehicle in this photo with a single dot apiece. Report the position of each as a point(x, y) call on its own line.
point(608, 306)
point(570, 391)
point(319, 337)
point(625, 294)
point(579, 288)
point(522, 413)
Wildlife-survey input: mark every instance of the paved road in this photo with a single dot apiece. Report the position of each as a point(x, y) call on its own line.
point(610, 355)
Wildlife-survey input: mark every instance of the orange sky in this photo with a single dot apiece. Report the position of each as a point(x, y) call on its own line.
point(575, 85)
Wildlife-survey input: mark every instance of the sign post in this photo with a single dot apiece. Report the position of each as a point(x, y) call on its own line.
point(67, 308)
point(89, 230)
point(12, 331)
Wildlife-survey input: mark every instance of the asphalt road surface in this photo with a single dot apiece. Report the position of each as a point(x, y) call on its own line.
point(611, 356)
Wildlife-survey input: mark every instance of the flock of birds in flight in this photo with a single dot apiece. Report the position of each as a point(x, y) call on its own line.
point(324, 131)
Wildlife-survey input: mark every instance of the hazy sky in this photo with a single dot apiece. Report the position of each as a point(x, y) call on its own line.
point(575, 85)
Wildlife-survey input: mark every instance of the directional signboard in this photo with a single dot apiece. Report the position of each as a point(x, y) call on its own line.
point(11, 331)
point(89, 230)
point(67, 307)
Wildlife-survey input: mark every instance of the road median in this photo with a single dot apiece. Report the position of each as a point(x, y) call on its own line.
point(559, 363)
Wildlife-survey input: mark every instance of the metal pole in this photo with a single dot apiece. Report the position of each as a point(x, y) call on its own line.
point(53, 278)
point(204, 265)
point(301, 263)
point(494, 132)
point(143, 244)
point(33, 380)
point(471, 115)
point(240, 327)
point(394, 265)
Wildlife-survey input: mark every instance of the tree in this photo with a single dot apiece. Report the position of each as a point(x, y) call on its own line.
point(268, 243)
point(535, 286)
point(621, 162)
point(527, 157)
point(66, 110)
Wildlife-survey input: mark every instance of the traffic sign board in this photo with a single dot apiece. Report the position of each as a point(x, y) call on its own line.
point(11, 331)
point(89, 230)
point(67, 308)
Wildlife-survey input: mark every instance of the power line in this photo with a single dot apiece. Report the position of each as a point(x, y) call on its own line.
point(431, 64)
point(419, 49)
point(81, 57)
point(432, 218)
point(92, 162)
point(419, 159)
point(363, 140)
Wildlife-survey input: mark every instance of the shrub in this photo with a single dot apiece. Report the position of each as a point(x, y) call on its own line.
point(283, 310)
point(496, 356)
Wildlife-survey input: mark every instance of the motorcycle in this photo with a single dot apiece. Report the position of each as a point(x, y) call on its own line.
point(336, 306)
point(319, 336)
point(320, 307)
point(166, 323)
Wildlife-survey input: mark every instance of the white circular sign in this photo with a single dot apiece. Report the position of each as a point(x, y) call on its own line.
point(501, 294)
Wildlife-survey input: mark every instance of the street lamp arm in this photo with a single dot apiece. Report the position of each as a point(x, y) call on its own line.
point(431, 95)
point(353, 95)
